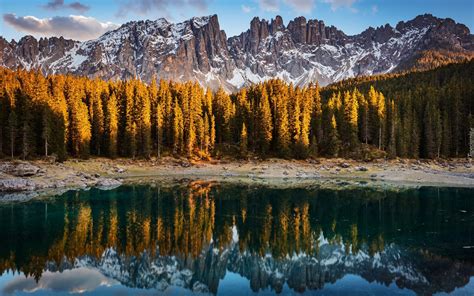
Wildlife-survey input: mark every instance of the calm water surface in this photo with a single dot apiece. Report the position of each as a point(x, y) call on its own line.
point(202, 238)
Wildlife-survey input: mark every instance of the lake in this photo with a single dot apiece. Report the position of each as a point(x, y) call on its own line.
point(210, 238)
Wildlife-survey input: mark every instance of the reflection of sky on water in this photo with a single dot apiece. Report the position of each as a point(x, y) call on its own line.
point(234, 284)
point(83, 281)
point(86, 281)
point(77, 280)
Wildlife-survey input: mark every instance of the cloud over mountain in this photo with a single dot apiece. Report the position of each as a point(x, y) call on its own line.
point(301, 5)
point(74, 26)
point(163, 6)
point(59, 4)
point(335, 4)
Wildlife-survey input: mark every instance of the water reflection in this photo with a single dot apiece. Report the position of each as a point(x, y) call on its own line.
point(153, 237)
point(78, 280)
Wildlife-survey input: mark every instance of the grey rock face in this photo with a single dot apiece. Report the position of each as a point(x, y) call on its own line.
point(107, 183)
point(19, 169)
point(30, 53)
point(302, 52)
point(16, 184)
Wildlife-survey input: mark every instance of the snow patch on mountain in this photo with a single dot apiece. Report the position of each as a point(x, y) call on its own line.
point(302, 52)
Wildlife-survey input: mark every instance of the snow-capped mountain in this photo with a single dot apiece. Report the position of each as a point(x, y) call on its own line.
point(197, 49)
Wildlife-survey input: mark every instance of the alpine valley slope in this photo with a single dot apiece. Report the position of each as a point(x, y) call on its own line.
point(197, 49)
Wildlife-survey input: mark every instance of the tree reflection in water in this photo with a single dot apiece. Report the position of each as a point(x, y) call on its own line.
point(155, 237)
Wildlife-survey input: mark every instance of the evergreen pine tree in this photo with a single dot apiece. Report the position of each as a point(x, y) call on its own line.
point(243, 141)
point(159, 129)
point(178, 128)
point(381, 117)
point(350, 134)
point(111, 126)
point(12, 128)
point(333, 141)
point(282, 128)
point(392, 123)
point(264, 125)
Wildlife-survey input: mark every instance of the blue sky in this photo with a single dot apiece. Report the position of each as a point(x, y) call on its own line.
point(87, 19)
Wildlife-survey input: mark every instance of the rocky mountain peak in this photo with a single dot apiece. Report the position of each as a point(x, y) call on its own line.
point(259, 30)
point(380, 34)
point(197, 49)
point(419, 22)
point(277, 25)
point(314, 32)
point(298, 29)
point(199, 22)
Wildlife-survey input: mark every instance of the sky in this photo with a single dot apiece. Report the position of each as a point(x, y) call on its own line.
point(88, 19)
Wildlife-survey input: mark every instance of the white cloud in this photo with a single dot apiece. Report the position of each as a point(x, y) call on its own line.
point(199, 4)
point(269, 5)
point(76, 27)
point(335, 4)
point(246, 9)
point(59, 4)
point(374, 9)
point(162, 6)
point(301, 5)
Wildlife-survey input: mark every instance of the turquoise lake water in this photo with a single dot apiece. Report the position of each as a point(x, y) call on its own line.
point(209, 238)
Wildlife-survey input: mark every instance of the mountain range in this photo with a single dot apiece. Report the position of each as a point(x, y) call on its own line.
point(301, 52)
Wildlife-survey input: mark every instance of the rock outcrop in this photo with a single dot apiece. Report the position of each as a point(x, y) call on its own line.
point(16, 185)
point(23, 178)
point(302, 52)
point(19, 169)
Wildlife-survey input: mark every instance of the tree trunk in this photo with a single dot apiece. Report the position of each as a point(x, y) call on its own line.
point(1, 142)
point(366, 134)
point(24, 151)
point(380, 137)
point(439, 149)
point(12, 143)
point(158, 145)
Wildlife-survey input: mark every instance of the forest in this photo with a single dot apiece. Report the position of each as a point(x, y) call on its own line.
point(411, 115)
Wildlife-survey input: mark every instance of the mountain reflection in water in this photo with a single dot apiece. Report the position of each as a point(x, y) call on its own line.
point(204, 237)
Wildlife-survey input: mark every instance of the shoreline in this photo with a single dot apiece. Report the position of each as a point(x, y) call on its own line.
point(23, 180)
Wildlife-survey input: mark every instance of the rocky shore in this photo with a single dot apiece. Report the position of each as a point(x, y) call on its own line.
point(21, 180)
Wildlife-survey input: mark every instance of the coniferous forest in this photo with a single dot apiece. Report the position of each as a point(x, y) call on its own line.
point(412, 115)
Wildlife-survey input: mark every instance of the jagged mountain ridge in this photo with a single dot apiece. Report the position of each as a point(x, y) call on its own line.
point(197, 49)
